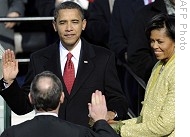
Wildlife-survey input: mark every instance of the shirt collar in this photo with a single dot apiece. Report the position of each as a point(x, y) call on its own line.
point(46, 113)
point(75, 52)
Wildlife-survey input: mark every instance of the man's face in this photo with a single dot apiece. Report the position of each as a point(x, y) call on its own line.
point(69, 26)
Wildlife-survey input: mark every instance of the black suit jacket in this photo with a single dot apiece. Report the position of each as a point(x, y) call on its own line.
point(122, 16)
point(98, 20)
point(96, 70)
point(51, 126)
point(121, 20)
point(140, 55)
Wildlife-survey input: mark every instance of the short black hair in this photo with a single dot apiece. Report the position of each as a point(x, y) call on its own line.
point(160, 21)
point(68, 5)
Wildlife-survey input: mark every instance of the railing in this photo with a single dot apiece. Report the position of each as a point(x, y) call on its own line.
point(137, 78)
point(21, 19)
point(141, 85)
point(25, 19)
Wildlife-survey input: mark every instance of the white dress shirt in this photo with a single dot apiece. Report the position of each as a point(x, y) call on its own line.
point(75, 59)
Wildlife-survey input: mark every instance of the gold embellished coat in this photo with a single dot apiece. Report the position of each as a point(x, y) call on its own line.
point(157, 117)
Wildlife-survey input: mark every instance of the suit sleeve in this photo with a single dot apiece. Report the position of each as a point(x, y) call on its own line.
point(102, 129)
point(7, 132)
point(17, 97)
point(117, 38)
point(97, 29)
point(114, 95)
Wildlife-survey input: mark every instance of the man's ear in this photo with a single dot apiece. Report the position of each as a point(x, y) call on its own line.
point(54, 25)
point(84, 24)
point(30, 98)
point(62, 97)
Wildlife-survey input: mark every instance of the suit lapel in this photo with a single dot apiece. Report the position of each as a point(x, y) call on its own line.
point(85, 67)
point(52, 63)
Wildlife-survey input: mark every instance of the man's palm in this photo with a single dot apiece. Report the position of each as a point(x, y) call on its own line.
point(10, 66)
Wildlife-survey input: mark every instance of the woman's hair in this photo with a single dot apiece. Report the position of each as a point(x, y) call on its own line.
point(161, 21)
point(68, 5)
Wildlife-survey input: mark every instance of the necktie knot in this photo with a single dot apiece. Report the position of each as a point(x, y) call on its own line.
point(69, 56)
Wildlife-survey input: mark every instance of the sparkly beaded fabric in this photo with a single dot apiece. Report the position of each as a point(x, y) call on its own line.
point(157, 117)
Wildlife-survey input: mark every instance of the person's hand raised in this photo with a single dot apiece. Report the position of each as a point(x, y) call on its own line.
point(10, 66)
point(97, 107)
point(10, 25)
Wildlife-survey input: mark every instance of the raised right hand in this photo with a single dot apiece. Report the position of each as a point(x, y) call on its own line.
point(10, 66)
point(97, 107)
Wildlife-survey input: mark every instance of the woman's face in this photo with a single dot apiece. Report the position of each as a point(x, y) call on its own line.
point(163, 46)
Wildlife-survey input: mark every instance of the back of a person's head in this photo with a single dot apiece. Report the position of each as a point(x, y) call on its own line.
point(68, 5)
point(46, 89)
point(162, 21)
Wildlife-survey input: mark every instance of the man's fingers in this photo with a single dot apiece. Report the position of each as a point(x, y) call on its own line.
point(97, 97)
point(8, 56)
point(103, 100)
point(12, 55)
point(93, 98)
point(16, 64)
point(90, 109)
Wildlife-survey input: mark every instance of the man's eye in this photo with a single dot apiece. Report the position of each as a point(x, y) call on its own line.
point(75, 22)
point(61, 22)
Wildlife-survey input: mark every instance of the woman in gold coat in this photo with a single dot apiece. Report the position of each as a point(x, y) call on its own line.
point(157, 117)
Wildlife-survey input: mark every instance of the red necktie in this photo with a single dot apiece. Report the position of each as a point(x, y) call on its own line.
point(69, 73)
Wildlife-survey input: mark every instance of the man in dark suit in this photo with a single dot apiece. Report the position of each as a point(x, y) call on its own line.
point(94, 70)
point(122, 16)
point(46, 95)
point(97, 28)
